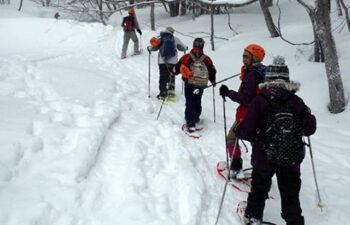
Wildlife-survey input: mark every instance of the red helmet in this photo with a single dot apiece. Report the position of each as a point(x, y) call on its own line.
point(256, 51)
point(131, 11)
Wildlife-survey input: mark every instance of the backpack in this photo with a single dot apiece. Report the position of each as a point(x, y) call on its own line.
point(200, 73)
point(282, 136)
point(127, 23)
point(167, 48)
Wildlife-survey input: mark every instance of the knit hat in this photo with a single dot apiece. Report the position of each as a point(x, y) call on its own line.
point(170, 29)
point(277, 70)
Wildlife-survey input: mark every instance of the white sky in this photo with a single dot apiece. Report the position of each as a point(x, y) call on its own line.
point(80, 143)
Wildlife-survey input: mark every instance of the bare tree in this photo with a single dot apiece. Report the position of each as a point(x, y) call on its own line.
point(20, 5)
point(268, 18)
point(346, 10)
point(340, 11)
point(320, 18)
point(153, 23)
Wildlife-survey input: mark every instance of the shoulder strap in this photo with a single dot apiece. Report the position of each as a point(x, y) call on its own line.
point(197, 59)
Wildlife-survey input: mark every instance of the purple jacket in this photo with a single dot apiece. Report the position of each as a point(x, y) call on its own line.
point(257, 119)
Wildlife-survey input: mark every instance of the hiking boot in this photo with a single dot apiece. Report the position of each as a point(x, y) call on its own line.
point(191, 129)
point(236, 169)
point(123, 57)
point(137, 53)
point(161, 96)
point(251, 221)
point(171, 92)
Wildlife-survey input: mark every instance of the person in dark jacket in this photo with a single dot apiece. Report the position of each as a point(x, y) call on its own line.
point(252, 73)
point(276, 88)
point(195, 78)
point(129, 25)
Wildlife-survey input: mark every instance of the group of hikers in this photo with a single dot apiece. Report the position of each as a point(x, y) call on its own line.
point(265, 93)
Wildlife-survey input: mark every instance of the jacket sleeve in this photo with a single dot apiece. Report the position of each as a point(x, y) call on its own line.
point(136, 24)
point(182, 60)
point(179, 45)
point(211, 69)
point(308, 121)
point(247, 90)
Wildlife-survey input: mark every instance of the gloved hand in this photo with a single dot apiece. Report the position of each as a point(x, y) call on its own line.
point(149, 49)
point(139, 31)
point(224, 91)
point(213, 83)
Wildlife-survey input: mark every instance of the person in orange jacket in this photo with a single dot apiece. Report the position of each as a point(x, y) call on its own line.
point(196, 69)
point(252, 73)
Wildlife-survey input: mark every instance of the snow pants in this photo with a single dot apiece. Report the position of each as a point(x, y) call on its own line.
point(289, 184)
point(165, 83)
point(193, 107)
point(127, 36)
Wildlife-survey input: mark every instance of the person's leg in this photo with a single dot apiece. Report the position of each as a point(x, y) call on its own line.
point(135, 39)
point(171, 85)
point(190, 110)
point(125, 44)
point(261, 183)
point(163, 80)
point(237, 162)
point(289, 184)
point(197, 104)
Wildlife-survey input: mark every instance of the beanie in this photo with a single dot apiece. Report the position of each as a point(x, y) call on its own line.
point(170, 29)
point(277, 70)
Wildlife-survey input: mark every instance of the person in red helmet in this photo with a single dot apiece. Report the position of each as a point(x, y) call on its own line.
point(252, 73)
point(129, 25)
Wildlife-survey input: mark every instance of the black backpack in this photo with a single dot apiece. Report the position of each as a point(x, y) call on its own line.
point(167, 48)
point(127, 23)
point(282, 136)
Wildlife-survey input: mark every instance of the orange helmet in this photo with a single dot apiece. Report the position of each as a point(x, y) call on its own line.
point(131, 11)
point(256, 51)
point(155, 42)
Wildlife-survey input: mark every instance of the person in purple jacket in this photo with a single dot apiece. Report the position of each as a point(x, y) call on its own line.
point(276, 87)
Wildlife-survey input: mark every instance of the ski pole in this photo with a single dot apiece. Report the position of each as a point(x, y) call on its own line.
point(149, 74)
point(319, 204)
point(196, 91)
point(226, 182)
point(164, 99)
point(214, 104)
point(161, 106)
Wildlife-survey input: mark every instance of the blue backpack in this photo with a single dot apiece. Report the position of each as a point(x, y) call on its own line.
point(167, 48)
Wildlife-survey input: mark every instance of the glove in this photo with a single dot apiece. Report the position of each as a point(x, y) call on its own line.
point(224, 91)
point(149, 48)
point(213, 83)
point(139, 31)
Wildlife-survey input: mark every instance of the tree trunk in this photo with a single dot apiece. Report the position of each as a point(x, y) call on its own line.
point(346, 10)
point(153, 21)
point(268, 19)
point(174, 8)
point(212, 28)
point(20, 5)
point(183, 7)
point(340, 11)
point(336, 91)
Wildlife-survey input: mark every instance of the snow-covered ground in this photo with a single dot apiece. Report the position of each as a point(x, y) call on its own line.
point(79, 139)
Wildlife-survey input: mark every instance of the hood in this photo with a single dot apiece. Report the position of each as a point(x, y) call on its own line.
point(259, 68)
point(279, 90)
point(197, 52)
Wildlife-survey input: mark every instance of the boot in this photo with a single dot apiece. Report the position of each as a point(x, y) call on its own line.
point(236, 168)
